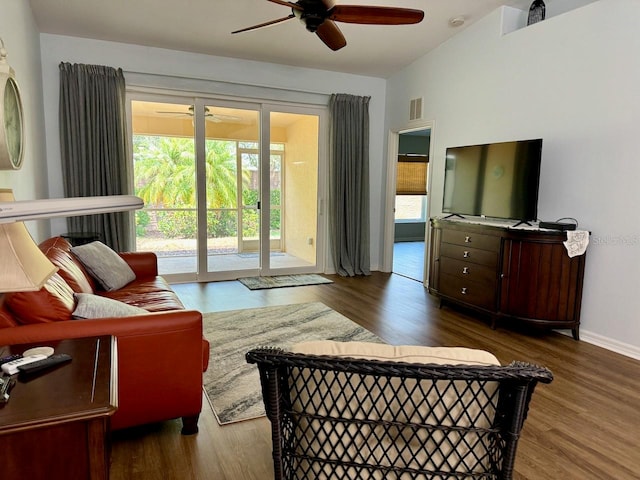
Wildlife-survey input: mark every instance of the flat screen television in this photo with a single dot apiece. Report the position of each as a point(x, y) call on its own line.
point(496, 180)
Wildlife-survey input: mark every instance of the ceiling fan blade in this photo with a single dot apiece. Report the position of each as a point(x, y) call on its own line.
point(174, 113)
point(295, 6)
point(266, 24)
point(223, 118)
point(331, 35)
point(375, 15)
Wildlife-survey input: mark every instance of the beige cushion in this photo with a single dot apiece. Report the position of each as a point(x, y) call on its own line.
point(391, 405)
point(393, 353)
point(105, 265)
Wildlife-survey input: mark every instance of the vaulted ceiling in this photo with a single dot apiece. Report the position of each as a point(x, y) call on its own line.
point(205, 26)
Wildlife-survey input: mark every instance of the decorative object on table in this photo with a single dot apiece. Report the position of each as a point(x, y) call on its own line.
point(11, 116)
point(536, 12)
point(279, 281)
point(232, 385)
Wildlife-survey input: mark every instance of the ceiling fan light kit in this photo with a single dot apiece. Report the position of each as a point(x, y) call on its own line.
point(319, 17)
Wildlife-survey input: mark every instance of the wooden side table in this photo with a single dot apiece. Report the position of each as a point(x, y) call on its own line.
point(55, 425)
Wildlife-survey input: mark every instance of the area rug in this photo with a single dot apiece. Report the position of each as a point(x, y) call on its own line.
point(232, 385)
point(278, 281)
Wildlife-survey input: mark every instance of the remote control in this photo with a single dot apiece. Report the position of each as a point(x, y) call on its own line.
point(45, 363)
point(10, 358)
point(11, 368)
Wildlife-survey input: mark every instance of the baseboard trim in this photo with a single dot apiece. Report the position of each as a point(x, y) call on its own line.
point(610, 344)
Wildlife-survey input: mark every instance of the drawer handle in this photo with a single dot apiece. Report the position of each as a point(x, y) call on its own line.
point(463, 291)
point(466, 254)
point(467, 239)
point(465, 270)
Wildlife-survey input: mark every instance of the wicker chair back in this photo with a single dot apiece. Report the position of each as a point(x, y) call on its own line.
point(340, 418)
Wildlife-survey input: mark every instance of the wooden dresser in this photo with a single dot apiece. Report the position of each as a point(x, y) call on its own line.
point(510, 274)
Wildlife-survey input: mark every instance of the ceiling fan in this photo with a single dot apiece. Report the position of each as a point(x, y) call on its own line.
point(319, 17)
point(214, 117)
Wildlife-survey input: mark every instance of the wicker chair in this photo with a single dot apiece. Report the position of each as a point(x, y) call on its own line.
point(344, 418)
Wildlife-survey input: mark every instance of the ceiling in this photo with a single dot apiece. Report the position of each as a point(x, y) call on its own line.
point(204, 26)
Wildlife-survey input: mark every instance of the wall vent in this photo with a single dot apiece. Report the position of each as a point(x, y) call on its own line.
point(415, 110)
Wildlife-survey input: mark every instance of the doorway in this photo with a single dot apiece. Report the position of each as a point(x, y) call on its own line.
point(230, 188)
point(410, 203)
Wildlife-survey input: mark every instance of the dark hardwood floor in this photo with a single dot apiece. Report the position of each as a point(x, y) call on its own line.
point(582, 426)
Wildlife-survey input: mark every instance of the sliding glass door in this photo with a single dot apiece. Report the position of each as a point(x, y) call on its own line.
point(164, 166)
point(230, 188)
point(230, 180)
point(293, 191)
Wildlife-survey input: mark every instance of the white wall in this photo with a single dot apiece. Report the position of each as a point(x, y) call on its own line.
point(573, 80)
point(133, 58)
point(22, 42)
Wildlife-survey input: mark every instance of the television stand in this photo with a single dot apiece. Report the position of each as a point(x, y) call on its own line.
point(511, 275)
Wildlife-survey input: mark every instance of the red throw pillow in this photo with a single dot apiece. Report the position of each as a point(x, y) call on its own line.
point(52, 303)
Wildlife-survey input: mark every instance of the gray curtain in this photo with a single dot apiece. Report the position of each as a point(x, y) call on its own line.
point(349, 183)
point(93, 144)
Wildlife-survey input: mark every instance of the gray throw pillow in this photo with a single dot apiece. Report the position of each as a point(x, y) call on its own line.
point(95, 306)
point(105, 265)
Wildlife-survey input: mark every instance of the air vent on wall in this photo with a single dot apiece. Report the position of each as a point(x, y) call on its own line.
point(415, 110)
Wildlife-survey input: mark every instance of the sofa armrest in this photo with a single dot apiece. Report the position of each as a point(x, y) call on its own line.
point(161, 357)
point(143, 264)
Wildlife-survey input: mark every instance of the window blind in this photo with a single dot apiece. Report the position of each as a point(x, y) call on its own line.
point(411, 178)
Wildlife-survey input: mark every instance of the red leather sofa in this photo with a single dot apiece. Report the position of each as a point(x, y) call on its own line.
point(161, 356)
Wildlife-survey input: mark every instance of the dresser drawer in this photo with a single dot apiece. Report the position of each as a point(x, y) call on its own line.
point(469, 254)
point(478, 294)
point(470, 271)
point(472, 239)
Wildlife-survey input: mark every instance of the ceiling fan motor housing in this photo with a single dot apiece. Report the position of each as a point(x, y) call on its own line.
point(312, 22)
point(314, 13)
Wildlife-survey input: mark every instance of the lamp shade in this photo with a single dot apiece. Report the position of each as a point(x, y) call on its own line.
point(24, 266)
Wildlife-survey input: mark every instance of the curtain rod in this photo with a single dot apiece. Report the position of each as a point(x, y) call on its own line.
point(228, 82)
